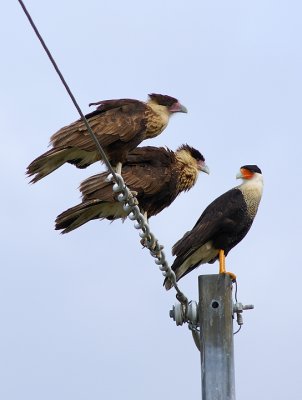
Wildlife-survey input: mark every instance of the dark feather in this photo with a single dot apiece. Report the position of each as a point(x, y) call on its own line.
point(163, 99)
point(219, 221)
point(153, 173)
point(119, 125)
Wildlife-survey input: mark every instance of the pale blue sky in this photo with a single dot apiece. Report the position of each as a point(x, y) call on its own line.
point(84, 315)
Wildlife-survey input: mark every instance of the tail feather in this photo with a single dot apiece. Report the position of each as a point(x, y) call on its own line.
point(55, 158)
point(78, 215)
point(97, 187)
point(185, 263)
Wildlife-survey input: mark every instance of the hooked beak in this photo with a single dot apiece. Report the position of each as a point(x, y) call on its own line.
point(239, 175)
point(177, 107)
point(244, 174)
point(203, 167)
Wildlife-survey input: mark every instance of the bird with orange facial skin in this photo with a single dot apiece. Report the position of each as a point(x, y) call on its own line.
point(222, 225)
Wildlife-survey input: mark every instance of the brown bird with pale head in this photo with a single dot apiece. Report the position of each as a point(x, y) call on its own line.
point(120, 126)
point(157, 175)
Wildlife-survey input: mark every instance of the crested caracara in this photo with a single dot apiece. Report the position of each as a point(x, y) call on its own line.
point(157, 175)
point(120, 126)
point(222, 225)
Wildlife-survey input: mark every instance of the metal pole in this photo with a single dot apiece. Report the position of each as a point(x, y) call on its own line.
point(216, 337)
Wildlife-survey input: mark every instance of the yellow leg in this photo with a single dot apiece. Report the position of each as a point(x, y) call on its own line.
point(118, 168)
point(221, 262)
point(222, 266)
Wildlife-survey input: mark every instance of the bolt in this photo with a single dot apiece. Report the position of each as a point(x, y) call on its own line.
point(239, 319)
point(248, 307)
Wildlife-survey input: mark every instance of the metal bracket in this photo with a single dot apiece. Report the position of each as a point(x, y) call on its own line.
point(238, 309)
point(181, 314)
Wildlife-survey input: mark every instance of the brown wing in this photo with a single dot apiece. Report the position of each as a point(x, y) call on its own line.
point(96, 187)
point(219, 218)
point(114, 120)
point(147, 171)
point(105, 105)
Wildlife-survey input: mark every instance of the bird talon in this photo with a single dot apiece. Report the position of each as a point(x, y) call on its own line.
point(134, 199)
point(232, 276)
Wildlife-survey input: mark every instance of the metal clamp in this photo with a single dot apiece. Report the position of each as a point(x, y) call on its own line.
point(238, 309)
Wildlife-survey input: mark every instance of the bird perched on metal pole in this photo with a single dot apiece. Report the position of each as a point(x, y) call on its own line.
point(157, 175)
point(222, 225)
point(120, 126)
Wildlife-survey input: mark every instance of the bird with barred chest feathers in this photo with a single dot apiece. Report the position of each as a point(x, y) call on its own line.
point(157, 175)
point(120, 126)
point(222, 225)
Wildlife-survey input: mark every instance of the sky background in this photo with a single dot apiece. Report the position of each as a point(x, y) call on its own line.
point(84, 315)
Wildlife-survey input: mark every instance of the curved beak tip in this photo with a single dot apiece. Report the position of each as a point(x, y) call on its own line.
point(204, 168)
point(177, 107)
point(183, 109)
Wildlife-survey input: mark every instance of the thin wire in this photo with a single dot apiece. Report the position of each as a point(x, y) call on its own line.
point(237, 330)
point(99, 147)
point(236, 291)
point(236, 300)
point(150, 241)
point(127, 198)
